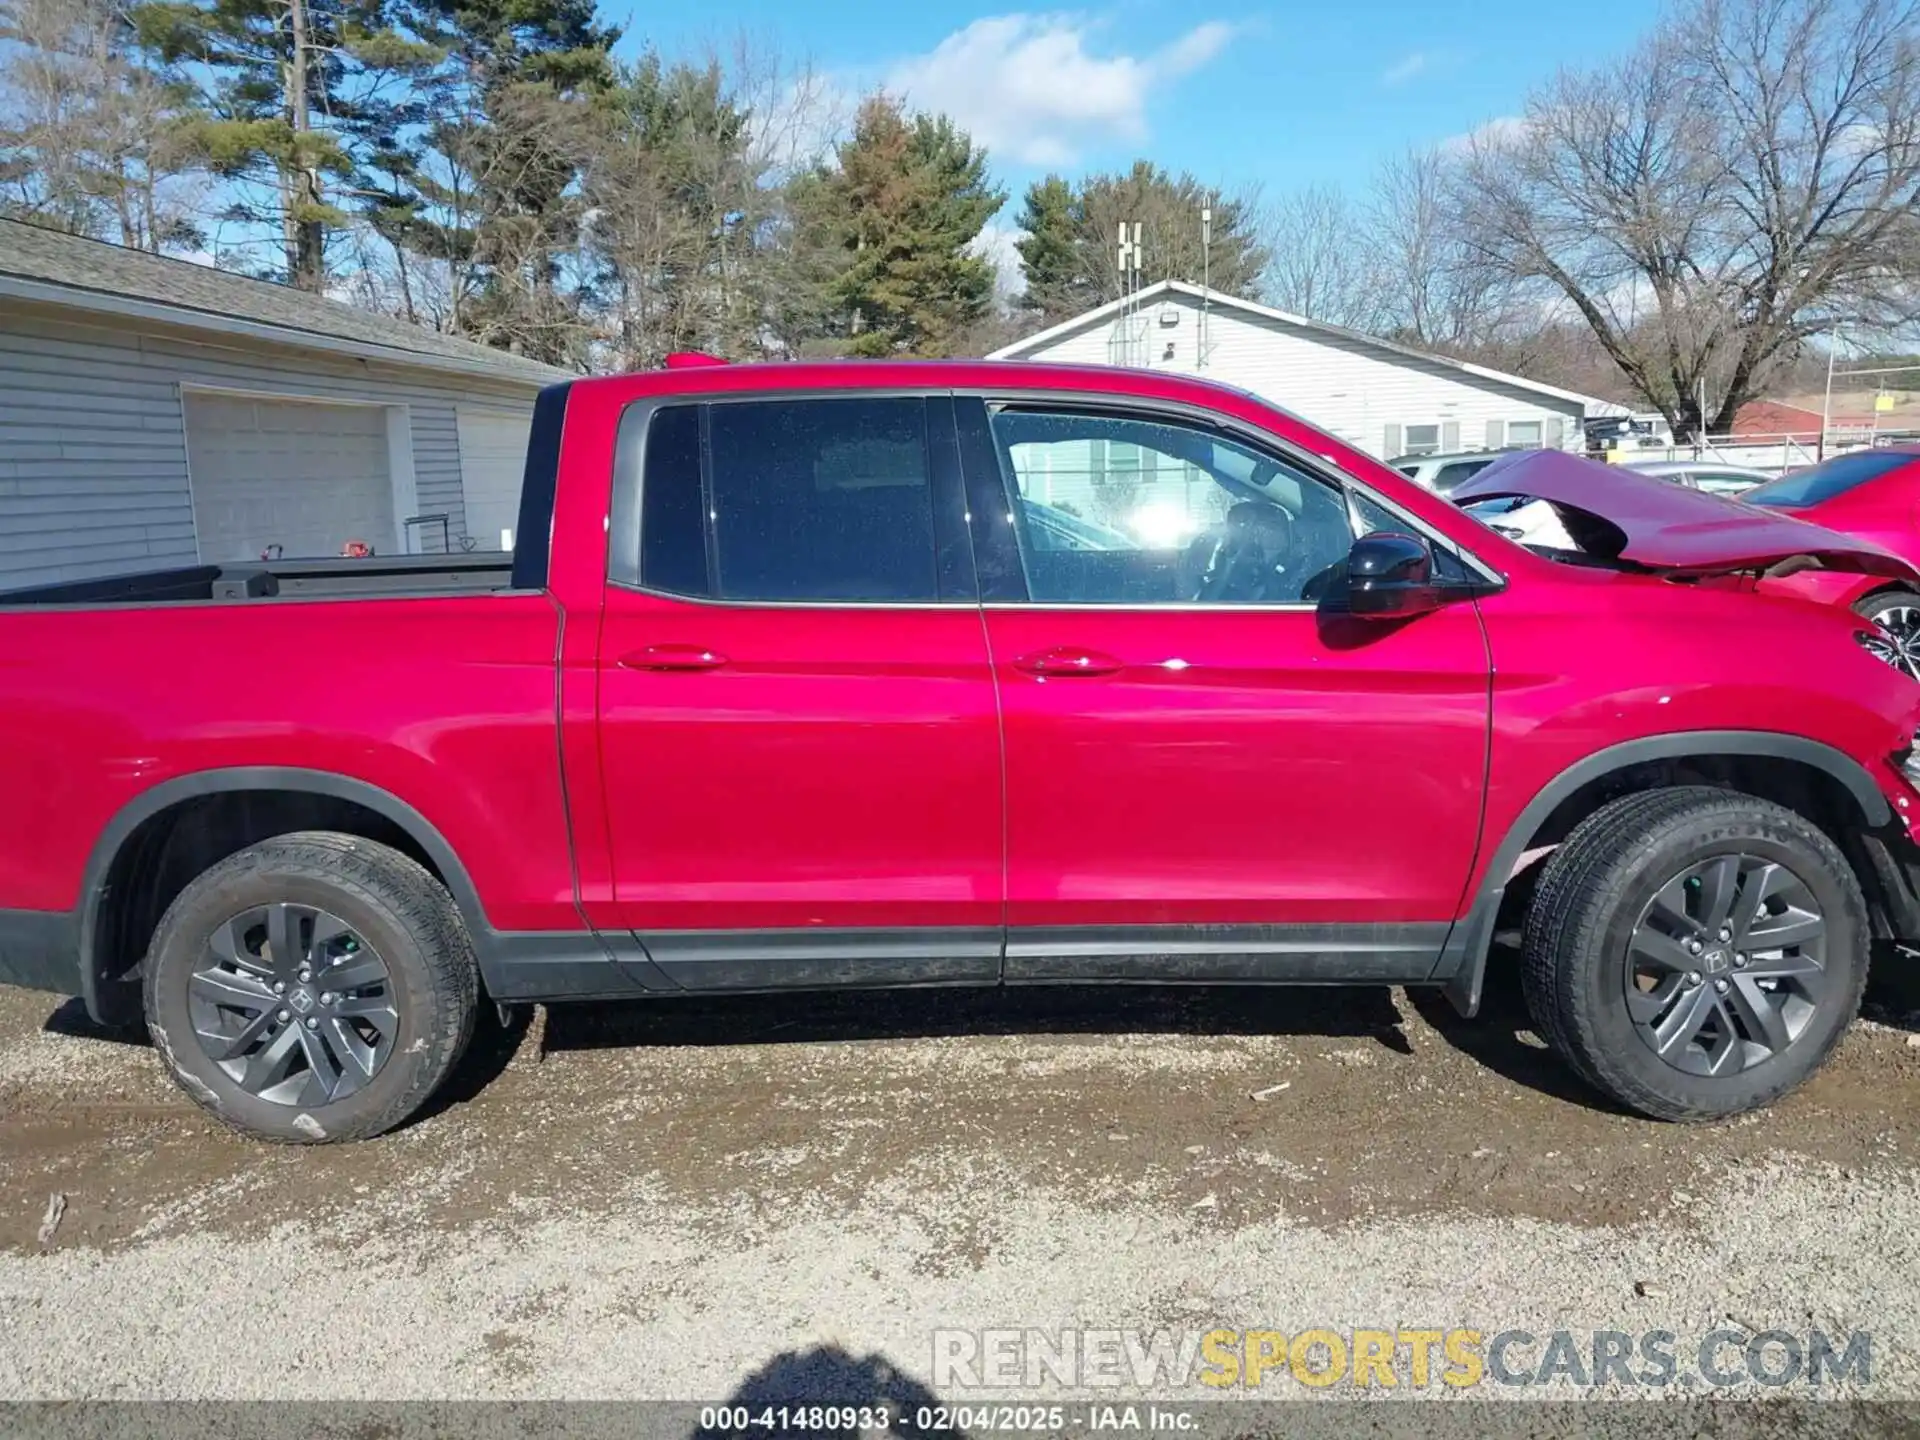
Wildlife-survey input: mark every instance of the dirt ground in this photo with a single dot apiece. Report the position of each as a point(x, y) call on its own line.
point(658, 1198)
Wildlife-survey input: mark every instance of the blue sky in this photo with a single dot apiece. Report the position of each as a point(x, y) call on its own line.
point(1282, 96)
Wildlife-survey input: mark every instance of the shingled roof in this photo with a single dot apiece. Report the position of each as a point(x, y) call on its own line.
point(51, 267)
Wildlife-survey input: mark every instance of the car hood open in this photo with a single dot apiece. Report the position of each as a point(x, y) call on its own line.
point(1615, 514)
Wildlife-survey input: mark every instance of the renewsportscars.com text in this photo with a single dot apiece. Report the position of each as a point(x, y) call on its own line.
point(1397, 1357)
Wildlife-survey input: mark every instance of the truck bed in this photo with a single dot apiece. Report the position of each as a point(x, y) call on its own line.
point(401, 575)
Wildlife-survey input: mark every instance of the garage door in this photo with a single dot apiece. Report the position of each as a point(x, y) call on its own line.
point(307, 478)
point(493, 451)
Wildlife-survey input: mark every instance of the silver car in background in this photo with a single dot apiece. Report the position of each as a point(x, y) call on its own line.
point(1712, 476)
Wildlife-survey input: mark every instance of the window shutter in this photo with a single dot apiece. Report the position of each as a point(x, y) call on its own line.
point(1496, 434)
point(1556, 433)
point(1392, 447)
point(1450, 436)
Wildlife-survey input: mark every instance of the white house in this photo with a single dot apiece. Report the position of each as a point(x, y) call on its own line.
point(1384, 398)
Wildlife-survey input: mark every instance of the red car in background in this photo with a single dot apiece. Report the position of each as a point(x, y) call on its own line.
point(1875, 495)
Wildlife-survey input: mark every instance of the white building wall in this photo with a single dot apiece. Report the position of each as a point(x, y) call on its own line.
point(1347, 387)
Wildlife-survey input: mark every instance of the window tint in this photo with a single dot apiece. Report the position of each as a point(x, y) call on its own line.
point(1114, 510)
point(803, 500)
point(673, 541)
point(1826, 480)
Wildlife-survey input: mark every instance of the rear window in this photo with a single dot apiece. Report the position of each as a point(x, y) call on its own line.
point(790, 500)
point(1826, 480)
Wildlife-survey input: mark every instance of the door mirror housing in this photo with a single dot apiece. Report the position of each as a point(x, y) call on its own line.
point(1390, 576)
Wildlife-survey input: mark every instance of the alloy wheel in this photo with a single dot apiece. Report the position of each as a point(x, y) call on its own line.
point(1726, 965)
point(1897, 638)
point(293, 1005)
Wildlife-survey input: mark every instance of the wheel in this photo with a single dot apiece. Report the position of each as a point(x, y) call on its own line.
point(314, 987)
point(1695, 952)
point(1897, 614)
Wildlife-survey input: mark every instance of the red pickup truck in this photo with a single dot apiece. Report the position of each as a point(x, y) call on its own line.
point(956, 674)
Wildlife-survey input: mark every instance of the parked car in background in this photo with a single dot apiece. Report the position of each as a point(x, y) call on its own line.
point(1441, 473)
point(1873, 494)
point(1709, 475)
point(798, 680)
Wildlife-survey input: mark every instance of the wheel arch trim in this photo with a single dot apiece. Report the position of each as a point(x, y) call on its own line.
point(1463, 959)
point(239, 779)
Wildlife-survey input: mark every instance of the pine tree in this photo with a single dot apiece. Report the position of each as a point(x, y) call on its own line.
point(496, 198)
point(292, 100)
point(1052, 256)
point(892, 223)
point(1071, 255)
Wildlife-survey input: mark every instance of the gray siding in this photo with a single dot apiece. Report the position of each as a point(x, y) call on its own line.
point(93, 456)
point(436, 472)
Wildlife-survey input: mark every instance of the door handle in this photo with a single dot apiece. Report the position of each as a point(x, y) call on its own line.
point(673, 657)
point(1064, 660)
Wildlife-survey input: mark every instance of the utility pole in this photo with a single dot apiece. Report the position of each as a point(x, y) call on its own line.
point(1206, 283)
point(1826, 404)
point(1128, 258)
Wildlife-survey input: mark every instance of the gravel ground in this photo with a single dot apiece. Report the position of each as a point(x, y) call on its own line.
point(691, 1201)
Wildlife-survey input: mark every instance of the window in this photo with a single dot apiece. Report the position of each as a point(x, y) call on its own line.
point(1827, 479)
point(1524, 434)
point(1187, 516)
point(1450, 477)
point(1715, 482)
point(803, 500)
point(673, 538)
point(1423, 440)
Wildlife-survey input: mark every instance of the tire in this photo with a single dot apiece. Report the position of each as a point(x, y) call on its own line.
point(345, 907)
point(1606, 909)
point(1897, 614)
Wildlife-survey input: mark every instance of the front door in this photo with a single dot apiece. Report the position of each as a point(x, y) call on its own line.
point(1210, 773)
point(800, 747)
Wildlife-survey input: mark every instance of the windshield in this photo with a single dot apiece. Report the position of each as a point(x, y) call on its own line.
point(1824, 481)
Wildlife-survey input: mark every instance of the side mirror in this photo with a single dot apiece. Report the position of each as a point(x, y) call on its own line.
point(1390, 576)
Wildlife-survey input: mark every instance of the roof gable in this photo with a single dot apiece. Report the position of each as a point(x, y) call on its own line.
point(1214, 299)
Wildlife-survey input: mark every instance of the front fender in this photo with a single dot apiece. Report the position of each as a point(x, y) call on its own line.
point(1463, 958)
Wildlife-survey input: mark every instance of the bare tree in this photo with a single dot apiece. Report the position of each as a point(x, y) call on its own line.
point(1742, 182)
point(1432, 289)
point(91, 140)
point(1321, 259)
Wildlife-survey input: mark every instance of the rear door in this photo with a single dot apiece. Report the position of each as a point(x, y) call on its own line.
point(800, 747)
point(1212, 772)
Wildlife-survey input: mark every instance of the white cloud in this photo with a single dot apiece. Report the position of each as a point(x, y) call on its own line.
point(1027, 88)
point(995, 243)
point(1406, 67)
point(1501, 131)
